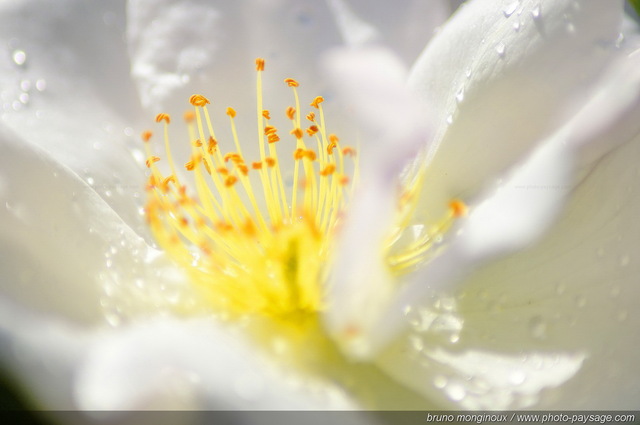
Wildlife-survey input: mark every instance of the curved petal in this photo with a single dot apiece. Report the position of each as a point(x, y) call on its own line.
point(520, 68)
point(70, 95)
point(573, 294)
point(166, 364)
point(56, 234)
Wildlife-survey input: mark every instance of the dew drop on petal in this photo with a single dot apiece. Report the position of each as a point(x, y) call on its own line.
point(516, 26)
point(517, 377)
point(581, 301)
point(538, 328)
point(41, 84)
point(510, 8)
point(19, 57)
point(25, 85)
point(456, 392)
point(536, 12)
point(501, 49)
point(24, 98)
point(624, 261)
point(460, 95)
point(622, 315)
point(615, 291)
point(450, 119)
point(600, 252)
point(440, 381)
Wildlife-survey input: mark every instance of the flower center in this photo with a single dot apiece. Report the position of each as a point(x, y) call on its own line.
point(252, 242)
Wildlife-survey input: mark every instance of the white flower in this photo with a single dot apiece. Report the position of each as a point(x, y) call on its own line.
point(543, 318)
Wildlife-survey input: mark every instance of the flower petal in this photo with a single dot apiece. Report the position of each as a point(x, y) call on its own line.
point(55, 239)
point(70, 95)
point(501, 76)
point(573, 294)
point(195, 364)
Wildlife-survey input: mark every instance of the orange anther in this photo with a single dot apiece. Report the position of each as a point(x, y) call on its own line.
point(312, 130)
point(243, 169)
point(272, 138)
point(249, 227)
point(348, 150)
point(265, 114)
point(189, 116)
point(198, 100)
point(259, 64)
point(311, 116)
point(151, 160)
point(231, 112)
point(458, 208)
point(146, 136)
point(271, 162)
point(222, 170)
point(297, 133)
point(256, 165)
point(291, 112)
point(298, 153)
point(270, 130)
point(328, 170)
point(163, 117)
point(310, 155)
point(344, 180)
point(197, 143)
point(291, 82)
point(317, 101)
point(230, 181)
point(211, 147)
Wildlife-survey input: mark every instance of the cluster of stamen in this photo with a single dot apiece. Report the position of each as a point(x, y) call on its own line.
point(254, 243)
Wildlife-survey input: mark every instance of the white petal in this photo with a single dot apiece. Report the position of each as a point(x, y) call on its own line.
point(573, 294)
point(372, 83)
point(167, 364)
point(70, 95)
point(505, 74)
point(55, 234)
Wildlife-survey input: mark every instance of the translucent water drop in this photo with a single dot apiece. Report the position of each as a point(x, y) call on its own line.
point(624, 261)
point(450, 119)
point(25, 85)
point(416, 343)
point(19, 57)
point(91, 181)
point(456, 392)
point(581, 301)
point(460, 95)
point(24, 98)
point(510, 8)
point(571, 28)
point(600, 252)
point(440, 381)
point(622, 315)
point(538, 328)
point(17, 105)
point(517, 377)
point(536, 12)
point(619, 40)
point(467, 72)
point(41, 85)
point(501, 49)
point(516, 26)
point(454, 338)
point(615, 291)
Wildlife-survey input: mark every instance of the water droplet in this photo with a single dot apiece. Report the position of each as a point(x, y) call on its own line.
point(454, 338)
point(517, 377)
point(600, 252)
point(19, 57)
point(619, 40)
point(516, 26)
point(581, 301)
point(450, 119)
point(538, 328)
point(622, 315)
point(41, 85)
point(536, 12)
point(501, 49)
point(416, 343)
point(510, 8)
point(571, 28)
point(91, 181)
point(440, 381)
point(25, 85)
point(624, 261)
point(561, 288)
point(24, 98)
point(615, 291)
point(456, 392)
point(467, 73)
point(17, 105)
point(460, 95)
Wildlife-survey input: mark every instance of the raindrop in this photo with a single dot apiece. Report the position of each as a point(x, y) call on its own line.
point(454, 338)
point(450, 119)
point(501, 49)
point(41, 85)
point(460, 95)
point(456, 392)
point(440, 381)
point(91, 181)
point(108, 193)
point(517, 377)
point(25, 85)
point(112, 318)
point(510, 8)
point(581, 301)
point(24, 98)
point(467, 72)
point(622, 315)
point(16, 105)
point(19, 57)
point(538, 328)
point(416, 343)
point(536, 12)
point(624, 261)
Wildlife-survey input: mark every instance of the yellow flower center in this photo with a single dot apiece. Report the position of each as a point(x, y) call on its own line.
point(254, 244)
